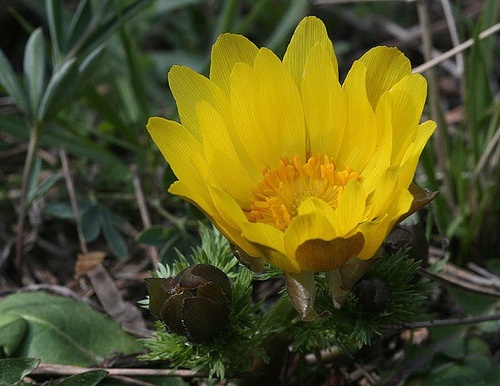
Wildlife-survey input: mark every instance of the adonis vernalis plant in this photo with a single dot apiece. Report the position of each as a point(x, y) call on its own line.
point(292, 166)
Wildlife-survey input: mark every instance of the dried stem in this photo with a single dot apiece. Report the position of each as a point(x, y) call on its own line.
point(72, 197)
point(443, 322)
point(104, 286)
point(143, 209)
point(46, 368)
point(440, 148)
point(461, 47)
point(28, 164)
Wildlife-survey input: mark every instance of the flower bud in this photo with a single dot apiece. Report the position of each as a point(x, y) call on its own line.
point(373, 294)
point(195, 303)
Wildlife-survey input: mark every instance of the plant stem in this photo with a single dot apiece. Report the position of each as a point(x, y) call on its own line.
point(23, 209)
point(439, 141)
point(276, 346)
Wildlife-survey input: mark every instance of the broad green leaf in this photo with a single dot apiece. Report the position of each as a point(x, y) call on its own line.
point(65, 331)
point(12, 330)
point(89, 378)
point(154, 235)
point(12, 87)
point(14, 370)
point(59, 90)
point(59, 209)
point(90, 223)
point(34, 68)
point(112, 236)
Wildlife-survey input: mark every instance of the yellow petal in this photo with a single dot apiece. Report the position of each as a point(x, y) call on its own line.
point(410, 161)
point(385, 67)
point(324, 255)
point(177, 145)
point(191, 193)
point(222, 159)
point(385, 192)
point(376, 231)
point(231, 215)
point(381, 156)
point(310, 31)
point(314, 221)
point(408, 98)
point(270, 242)
point(267, 111)
point(360, 134)
point(351, 208)
point(253, 133)
point(228, 50)
point(189, 88)
point(324, 103)
point(312, 239)
point(280, 103)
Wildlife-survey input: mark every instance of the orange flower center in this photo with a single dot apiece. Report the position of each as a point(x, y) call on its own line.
point(278, 196)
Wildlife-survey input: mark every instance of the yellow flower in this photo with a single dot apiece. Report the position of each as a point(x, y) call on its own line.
point(292, 166)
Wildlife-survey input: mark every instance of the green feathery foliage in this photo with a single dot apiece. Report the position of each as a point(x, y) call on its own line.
point(251, 325)
point(352, 326)
point(233, 348)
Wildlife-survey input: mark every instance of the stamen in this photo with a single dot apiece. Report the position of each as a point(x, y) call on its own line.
point(278, 196)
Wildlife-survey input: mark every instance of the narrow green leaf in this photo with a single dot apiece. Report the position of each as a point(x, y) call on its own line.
point(88, 378)
point(91, 63)
point(56, 26)
point(76, 143)
point(110, 25)
point(59, 89)
point(79, 23)
point(34, 68)
point(44, 186)
point(14, 370)
point(12, 87)
point(34, 176)
point(108, 112)
point(288, 22)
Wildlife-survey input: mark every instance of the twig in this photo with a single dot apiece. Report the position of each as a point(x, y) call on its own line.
point(461, 47)
point(32, 145)
point(452, 28)
point(439, 142)
point(460, 283)
point(57, 289)
point(47, 368)
point(478, 170)
point(443, 322)
point(143, 209)
point(103, 284)
point(72, 197)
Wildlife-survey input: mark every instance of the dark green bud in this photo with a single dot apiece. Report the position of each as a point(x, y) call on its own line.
point(195, 303)
point(373, 294)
